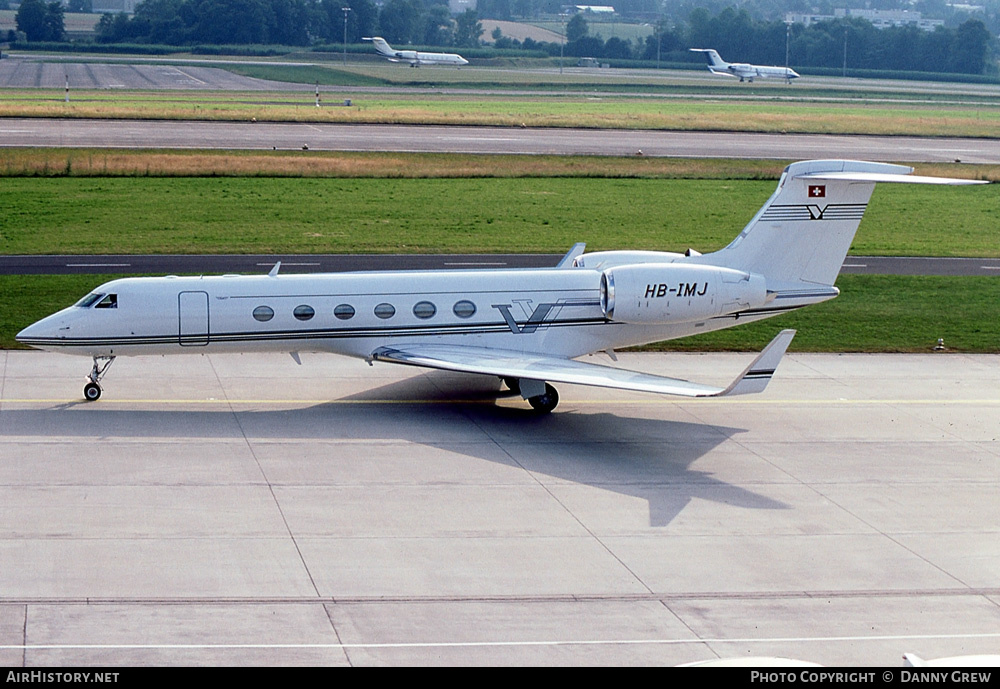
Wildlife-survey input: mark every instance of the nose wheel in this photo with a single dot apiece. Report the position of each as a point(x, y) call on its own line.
point(92, 390)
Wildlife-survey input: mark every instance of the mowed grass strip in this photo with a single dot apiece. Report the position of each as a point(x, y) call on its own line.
point(508, 110)
point(101, 162)
point(533, 215)
point(874, 313)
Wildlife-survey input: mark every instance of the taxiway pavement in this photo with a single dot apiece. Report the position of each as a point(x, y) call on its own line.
point(195, 264)
point(229, 509)
point(22, 132)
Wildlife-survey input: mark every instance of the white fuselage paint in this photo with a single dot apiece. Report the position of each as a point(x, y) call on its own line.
point(418, 58)
point(745, 71)
point(549, 311)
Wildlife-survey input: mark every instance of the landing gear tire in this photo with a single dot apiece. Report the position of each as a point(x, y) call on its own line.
point(513, 384)
point(91, 392)
point(545, 403)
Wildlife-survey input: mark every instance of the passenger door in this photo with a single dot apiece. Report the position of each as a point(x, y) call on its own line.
point(193, 318)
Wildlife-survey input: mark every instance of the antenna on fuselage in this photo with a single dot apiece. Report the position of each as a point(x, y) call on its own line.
point(274, 271)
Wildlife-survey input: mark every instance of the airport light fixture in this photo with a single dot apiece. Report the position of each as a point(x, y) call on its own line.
point(345, 10)
point(562, 43)
point(788, 35)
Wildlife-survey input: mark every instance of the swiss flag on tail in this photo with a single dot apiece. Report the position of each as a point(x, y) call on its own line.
point(817, 191)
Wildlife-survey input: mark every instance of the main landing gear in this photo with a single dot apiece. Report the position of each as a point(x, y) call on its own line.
point(545, 402)
point(92, 390)
point(542, 397)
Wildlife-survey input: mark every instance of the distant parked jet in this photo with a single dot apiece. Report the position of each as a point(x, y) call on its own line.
point(415, 58)
point(716, 65)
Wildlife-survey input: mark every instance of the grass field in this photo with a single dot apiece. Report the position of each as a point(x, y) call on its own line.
point(622, 112)
point(874, 313)
point(523, 214)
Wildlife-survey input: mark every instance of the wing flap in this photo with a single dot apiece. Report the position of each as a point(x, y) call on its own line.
point(553, 369)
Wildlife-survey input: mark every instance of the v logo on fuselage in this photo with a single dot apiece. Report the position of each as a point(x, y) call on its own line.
point(534, 320)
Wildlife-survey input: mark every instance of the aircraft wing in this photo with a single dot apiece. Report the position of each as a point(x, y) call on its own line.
point(508, 364)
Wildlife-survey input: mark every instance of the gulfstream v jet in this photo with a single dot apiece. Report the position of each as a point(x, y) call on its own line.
point(415, 58)
point(716, 65)
point(524, 326)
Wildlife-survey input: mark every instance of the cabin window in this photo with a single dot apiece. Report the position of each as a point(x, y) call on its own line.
point(110, 301)
point(424, 309)
point(465, 309)
point(263, 313)
point(385, 310)
point(344, 312)
point(89, 300)
point(304, 312)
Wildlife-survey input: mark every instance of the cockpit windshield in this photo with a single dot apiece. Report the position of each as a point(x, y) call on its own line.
point(89, 300)
point(109, 302)
point(102, 301)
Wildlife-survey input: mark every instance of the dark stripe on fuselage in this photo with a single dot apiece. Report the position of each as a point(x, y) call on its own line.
point(301, 335)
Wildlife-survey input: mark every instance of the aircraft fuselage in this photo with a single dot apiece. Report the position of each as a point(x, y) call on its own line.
point(552, 311)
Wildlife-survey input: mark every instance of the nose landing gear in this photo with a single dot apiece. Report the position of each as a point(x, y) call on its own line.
point(92, 390)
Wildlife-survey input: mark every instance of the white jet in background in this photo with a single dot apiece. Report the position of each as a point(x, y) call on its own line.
point(415, 58)
point(742, 70)
point(526, 326)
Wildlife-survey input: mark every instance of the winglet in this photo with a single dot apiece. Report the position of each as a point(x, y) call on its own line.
point(567, 260)
point(758, 374)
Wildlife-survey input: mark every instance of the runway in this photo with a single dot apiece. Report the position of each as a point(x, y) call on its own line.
point(28, 132)
point(238, 510)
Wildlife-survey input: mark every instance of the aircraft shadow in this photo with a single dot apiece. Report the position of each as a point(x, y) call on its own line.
point(647, 458)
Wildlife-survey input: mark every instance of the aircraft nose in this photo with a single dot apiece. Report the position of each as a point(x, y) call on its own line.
point(32, 332)
point(44, 332)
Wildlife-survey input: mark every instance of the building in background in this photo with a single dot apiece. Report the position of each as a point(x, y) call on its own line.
point(880, 19)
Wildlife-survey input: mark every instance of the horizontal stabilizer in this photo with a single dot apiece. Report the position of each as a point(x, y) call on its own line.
point(758, 374)
point(887, 177)
point(558, 370)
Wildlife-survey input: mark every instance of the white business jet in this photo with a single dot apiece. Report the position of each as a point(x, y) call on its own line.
point(716, 65)
point(525, 326)
point(416, 58)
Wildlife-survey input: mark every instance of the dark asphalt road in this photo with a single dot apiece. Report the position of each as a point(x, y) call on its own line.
point(302, 263)
point(26, 132)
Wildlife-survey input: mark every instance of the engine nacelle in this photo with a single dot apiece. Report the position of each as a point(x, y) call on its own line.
point(658, 294)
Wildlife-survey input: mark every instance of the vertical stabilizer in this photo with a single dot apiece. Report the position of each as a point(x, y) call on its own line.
point(381, 46)
point(803, 232)
point(712, 57)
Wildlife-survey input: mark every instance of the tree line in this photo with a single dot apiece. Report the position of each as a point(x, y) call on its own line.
point(290, 22)
point(740, 38)
point(737, 35)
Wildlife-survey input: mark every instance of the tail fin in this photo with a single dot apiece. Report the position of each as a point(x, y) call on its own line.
point(713, 58)
point(380, 45)
point(803, 232)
